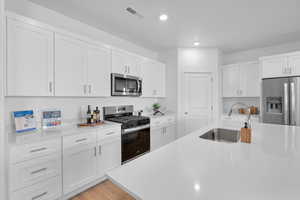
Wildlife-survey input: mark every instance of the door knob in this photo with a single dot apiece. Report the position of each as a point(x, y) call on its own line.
point(186, 113)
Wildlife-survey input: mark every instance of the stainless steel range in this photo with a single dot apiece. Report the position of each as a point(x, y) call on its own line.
point(135, 130)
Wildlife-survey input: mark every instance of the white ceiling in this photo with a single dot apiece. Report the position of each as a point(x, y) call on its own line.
point(231, 25)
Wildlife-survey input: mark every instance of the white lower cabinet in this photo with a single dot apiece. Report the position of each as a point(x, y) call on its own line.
point(88, 156)
point(79, 167)
point(35, 171)
point(61, 167)
point(109, 155)
point(163, 131)
point(30, 172)
point(46, 190)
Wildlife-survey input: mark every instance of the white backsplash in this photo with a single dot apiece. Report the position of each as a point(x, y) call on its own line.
point(73, 109)
point(228, 102)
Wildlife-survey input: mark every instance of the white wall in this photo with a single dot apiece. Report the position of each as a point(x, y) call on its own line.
point(254, 54)
point(31, 10)
point(2, 136)
point(198, 60)
point(169, 57)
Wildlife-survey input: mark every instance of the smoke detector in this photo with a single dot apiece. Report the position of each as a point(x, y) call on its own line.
point(133, 12)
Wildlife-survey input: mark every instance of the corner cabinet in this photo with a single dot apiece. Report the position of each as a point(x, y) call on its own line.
point(81, 69)
point(241, 80)
point(153, 74)
point(29, 60)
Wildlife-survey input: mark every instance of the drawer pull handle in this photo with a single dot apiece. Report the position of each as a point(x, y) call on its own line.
point(39, 170)
point(37, 150)
point(110, 133)
point(39, 196)
point(100, 149)
point(80, 140)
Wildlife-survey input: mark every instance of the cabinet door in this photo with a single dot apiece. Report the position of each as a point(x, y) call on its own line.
point(294, 65)
point(160, 80)
point(153, 75)
point(134, 65)
point(29, 60)
point(98, 71)
point(231, 81)
point(79, 167)
point(70, 66)
point(109, 156)
point(156, 138)
point(124, 63)
point(249, 80)
point(118, 63)
point(148, 83)
point(274, 67)
point(170, 134)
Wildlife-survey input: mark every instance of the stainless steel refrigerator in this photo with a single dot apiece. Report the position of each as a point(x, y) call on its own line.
point(281, 101)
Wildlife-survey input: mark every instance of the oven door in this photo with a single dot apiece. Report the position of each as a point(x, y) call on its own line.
point(124, 85)
point(135, 142)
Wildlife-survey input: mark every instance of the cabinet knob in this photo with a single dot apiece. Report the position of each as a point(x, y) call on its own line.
point(186, 113)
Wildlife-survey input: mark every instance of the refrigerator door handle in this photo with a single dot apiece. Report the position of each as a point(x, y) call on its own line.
point(286, 103)
point(293, 104)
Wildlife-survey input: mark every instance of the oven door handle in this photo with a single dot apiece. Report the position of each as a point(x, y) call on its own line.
point(130, 130)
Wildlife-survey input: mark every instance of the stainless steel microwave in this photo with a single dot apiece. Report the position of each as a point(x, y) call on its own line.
point(125, 85)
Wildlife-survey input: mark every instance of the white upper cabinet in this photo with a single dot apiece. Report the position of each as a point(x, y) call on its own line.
point(231, 80)
point(249, 80)
point(281, 65)
point(294, 64)
point(125, 63)
point(241, 80)
point(153, 75)
point(274, 67)
point(70, 70)
point(81, 69)
point(98, 71)
point(29, 60)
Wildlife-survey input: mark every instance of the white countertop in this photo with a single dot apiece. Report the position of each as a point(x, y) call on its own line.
point(48, 134)
point(192, 168)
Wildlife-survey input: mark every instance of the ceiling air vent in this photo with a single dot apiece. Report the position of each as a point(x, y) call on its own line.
point(134, 12)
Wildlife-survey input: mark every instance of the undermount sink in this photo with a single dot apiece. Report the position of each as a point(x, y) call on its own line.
point(222, 135)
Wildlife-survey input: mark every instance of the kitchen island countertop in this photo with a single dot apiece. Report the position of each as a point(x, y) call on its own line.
point(192, 168)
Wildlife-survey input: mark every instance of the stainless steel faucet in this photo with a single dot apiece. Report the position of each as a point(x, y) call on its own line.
point(242, 104)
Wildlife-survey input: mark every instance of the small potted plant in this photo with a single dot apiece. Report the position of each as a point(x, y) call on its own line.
point(156, 107)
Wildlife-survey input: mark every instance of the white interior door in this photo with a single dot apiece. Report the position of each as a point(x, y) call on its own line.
point(197, 101)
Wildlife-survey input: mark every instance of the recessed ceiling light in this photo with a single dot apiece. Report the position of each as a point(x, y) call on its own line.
point(163, 17)
point(196, 43)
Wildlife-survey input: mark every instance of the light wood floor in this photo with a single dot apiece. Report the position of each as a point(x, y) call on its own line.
point(104, 191)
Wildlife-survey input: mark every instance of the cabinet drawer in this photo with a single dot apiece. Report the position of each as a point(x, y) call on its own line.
point(47, 190)
point(79, 140)
point(108, 133)
point(156, 122)
point(162, 121)
point(30, 151)
point(30, 172)
point(170, 119)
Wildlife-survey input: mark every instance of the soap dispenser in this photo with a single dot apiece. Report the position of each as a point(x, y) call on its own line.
point(246, 134)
